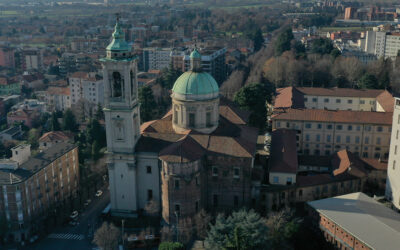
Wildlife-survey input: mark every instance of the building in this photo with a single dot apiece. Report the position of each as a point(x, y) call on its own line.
point(87, 86)
point(24, 116)
point(57, 98)
point(11, 134)
point(32, 186)
point(382, 43)
point(156, 58)
point(393, 169)
point(328, 120)
point(356, 221)
point(50, 139)
point(212, 61)
point(31, 59)
point(200, 155)
point(7, 59)
point(349, 13)
point(9, 86)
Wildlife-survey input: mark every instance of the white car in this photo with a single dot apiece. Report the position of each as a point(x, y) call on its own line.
point(99, 193)
point(74, 215)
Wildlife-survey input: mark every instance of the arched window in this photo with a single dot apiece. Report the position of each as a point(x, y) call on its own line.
point(132, 86)
point(117, 85)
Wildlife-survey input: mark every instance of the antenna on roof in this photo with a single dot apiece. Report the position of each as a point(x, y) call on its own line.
point(117, 16)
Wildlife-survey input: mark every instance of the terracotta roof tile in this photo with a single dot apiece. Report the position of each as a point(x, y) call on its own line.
point(184, 150)
point(283, 151)
point(343, 92)
point(342, 116)
point(375, 163)
point(345, 161)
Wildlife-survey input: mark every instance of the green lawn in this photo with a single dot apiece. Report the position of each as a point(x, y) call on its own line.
point(326, 29)
point(9, 12)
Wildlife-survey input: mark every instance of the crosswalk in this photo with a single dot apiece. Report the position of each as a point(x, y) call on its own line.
point(67, 236)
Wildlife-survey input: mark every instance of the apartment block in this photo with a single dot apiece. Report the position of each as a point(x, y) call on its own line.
point(156, 58)
point(32, 186)
point(393, 170)
point(87, 86)
point(382, 43)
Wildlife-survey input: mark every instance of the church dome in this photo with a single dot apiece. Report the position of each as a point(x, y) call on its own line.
point(195, 86)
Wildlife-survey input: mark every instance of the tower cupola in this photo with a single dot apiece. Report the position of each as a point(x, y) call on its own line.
point(118, 48)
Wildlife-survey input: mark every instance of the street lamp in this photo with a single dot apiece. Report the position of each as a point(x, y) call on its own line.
point(177, 225)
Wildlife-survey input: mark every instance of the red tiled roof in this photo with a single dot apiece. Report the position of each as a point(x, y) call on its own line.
point(386, 100)
point(283, 151)
point(289, 97)
point(79, 74)
point(58, 91)
point(343, 92)
point(184, 150)
point(345, 161)
point(55, 136)
point(341, 116)
point(375, 163)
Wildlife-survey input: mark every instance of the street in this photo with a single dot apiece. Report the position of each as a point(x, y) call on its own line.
point(76, 237)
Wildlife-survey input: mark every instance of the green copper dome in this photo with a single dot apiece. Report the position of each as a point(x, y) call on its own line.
point(118, 43)
point(195, 54)
point(196, 86)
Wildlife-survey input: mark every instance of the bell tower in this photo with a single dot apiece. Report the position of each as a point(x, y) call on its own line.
point(122, 118)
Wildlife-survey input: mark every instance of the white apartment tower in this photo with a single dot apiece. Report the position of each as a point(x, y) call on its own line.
point(122, 119)
point(393, 169)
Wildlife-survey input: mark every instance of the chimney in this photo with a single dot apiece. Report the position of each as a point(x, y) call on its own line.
point(21, 153)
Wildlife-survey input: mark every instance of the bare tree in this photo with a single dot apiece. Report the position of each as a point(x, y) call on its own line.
point(151, 208)
point(107, 236)
point(202, 221)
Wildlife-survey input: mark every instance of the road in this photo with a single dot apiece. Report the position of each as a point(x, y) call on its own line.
point(76, 237)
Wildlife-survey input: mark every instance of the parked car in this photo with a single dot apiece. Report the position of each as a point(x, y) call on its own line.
point(87, 202)
point(99, 193)
point(74, 215)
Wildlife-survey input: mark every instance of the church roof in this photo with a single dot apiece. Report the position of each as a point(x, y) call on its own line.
point(194, 84)
point(232, 138)
point(118, 43)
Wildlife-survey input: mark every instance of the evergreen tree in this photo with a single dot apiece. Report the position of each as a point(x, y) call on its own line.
point(54, 124)
point(322, 46)
point(99, 112)
point(283, 42)
point(241, 230)
point(69, 121)
point(258, 40)
point(95, 132)
point(33, 138)
point(147, 103)
point(368, 81)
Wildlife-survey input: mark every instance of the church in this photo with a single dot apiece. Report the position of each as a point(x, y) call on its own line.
point(200, 155)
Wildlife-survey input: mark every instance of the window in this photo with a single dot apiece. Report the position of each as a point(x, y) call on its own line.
point(339, 127)
point(287, 125)
point(357, 139)
point(178, 209)
point(318, 138)
point(349, 101)
point(338, 100)
point(329, 126)
point(307, 137)
point(379, 129)
point(377, 155)
point(395, 149)
point(175, 116)
point(235, 201)
point(328, 138)
point(300, 192)
point(316, 152)
point(215, 200)
point(289, 181)
point(117, 85)
point(378, 140)
point(338, 138)
point(215, 171)
point(349, 128)
point(394, 164)
point(366, 140)
point(326, 100)
point(327, 152)
point(177, 184)
point(236, 173)
point(358, 128)
point(278, 124)
point(348, 139)
point(367, 128)
point(149, 194)
point(305, 99)
point(148, 169)
point(314, 99)
point(362, 102)
point(308, 125)
point(191, 120)
point(208, 119)
point(397, 134)
point(319, 126)
point(276, 179)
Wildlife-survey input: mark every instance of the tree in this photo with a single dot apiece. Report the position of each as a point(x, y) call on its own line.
point(282, 227)
point(107, 236)
point(171, 246)
point(95, 132)
point(54, 124)
point(258, 40)
point(242, 230)
point(368, 81)
point(253, 97)
point(99, 112)
point(284, 40)
point(202, 221)
point(95, 151)
point(69, 121)
point(33, 138)
point(322, 46)
point(147, 103)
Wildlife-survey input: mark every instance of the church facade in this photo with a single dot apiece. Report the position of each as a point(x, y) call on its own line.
point(200, 155)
